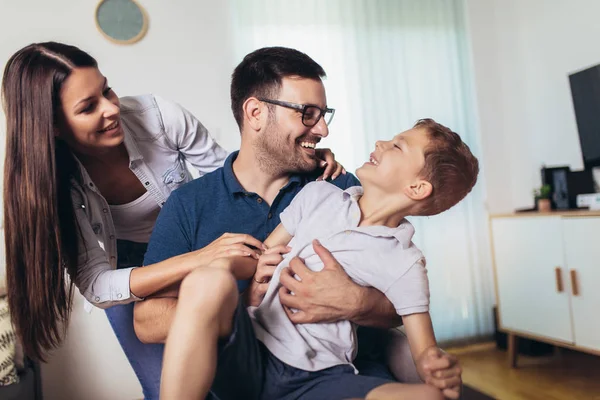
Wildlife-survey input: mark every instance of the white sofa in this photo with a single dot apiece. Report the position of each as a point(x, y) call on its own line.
point(28, 386)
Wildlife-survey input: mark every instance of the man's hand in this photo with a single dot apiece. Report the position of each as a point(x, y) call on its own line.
point(332, 167)
point(264, 271)
point(442, 370)
point(325, 296)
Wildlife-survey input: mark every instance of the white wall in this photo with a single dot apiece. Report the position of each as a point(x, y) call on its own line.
point(186, 56)
point(523, 51)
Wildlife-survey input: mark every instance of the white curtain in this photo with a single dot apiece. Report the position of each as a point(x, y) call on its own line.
point(389, 63)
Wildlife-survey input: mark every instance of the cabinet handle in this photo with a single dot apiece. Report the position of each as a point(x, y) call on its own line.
point(574, 285)
point(559, 282)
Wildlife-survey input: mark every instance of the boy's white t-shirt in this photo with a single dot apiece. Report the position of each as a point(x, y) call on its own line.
point(377, 256)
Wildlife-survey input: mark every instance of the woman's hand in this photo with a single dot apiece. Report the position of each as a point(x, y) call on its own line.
point(228, 245)
point(264, 272)
point(332, 167)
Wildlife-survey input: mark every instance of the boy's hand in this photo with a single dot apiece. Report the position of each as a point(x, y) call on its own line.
point(331, 167)
point(442, 370)
point(267, 263)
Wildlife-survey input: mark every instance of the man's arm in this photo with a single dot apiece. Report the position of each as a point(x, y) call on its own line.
point(330, 295)
point(152, 319)
point(374, 309)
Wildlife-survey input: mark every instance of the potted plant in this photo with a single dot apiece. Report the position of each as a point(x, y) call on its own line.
point(542, 198)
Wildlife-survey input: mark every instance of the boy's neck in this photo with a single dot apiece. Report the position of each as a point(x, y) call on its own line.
point(378, 209)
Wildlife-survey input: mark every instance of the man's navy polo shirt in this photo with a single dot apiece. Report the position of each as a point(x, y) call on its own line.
point(202, 210)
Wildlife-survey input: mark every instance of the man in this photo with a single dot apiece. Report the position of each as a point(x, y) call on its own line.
point(279, 103)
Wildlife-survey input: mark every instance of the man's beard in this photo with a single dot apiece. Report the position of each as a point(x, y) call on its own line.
point(275, 156)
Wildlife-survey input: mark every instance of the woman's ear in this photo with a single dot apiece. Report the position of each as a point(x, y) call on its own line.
point(255, 113)
point(419, 190)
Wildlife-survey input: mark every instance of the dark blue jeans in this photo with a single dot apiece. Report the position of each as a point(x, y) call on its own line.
point(145, 359)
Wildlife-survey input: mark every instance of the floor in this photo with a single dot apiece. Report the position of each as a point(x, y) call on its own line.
point(566, 375)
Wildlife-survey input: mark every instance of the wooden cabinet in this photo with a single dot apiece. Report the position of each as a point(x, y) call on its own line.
point(582, 259)
point(547, 269)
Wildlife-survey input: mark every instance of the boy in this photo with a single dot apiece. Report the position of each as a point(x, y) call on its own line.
point(423, 171)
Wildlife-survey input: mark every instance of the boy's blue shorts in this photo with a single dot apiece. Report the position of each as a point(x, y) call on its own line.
point(247, 370)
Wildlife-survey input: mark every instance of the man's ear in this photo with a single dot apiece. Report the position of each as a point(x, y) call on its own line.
point(255, 113)
point(419, 190)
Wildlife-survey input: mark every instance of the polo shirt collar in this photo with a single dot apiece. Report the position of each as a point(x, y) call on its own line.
point(403, 233)
point(294, 179)
point(231, 182)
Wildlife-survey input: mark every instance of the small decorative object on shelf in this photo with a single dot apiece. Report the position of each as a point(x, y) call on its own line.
point(121, 21)
point(542, 198)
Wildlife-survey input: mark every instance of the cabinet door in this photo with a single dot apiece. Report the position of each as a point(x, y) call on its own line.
point(527, 250)
point(582, 249)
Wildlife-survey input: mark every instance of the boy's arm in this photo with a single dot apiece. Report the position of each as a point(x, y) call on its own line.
point(244, 268)
point(279, 236)
point(434, 366)
point(420, 334)
point(276, 246)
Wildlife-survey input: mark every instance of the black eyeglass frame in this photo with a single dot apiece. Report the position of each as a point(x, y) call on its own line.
point(303, 108)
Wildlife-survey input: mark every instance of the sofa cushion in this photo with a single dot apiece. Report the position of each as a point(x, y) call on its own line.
point(2, 263)
point(8, 369)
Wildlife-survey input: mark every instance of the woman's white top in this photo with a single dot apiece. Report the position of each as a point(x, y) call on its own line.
point(134, 221)
point(159, 136)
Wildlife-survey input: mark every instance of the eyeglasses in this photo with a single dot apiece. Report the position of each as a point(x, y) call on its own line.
point(310, 114)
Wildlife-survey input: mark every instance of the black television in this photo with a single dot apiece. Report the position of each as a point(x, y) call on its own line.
point(585, 90)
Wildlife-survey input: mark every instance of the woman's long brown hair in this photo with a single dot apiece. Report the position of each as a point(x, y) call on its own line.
point(41, 233)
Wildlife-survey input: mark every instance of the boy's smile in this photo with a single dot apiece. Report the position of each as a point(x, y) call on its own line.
point(396, 163)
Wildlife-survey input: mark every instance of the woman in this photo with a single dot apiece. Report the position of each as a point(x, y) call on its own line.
point(85, 176)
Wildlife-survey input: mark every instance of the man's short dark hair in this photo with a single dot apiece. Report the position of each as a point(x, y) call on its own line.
point(260, 74)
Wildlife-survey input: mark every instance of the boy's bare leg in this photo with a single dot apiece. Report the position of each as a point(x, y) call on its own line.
point(207, 301)
point(401, 391)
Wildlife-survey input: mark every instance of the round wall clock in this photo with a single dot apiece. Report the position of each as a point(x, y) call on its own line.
point(121, 21)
